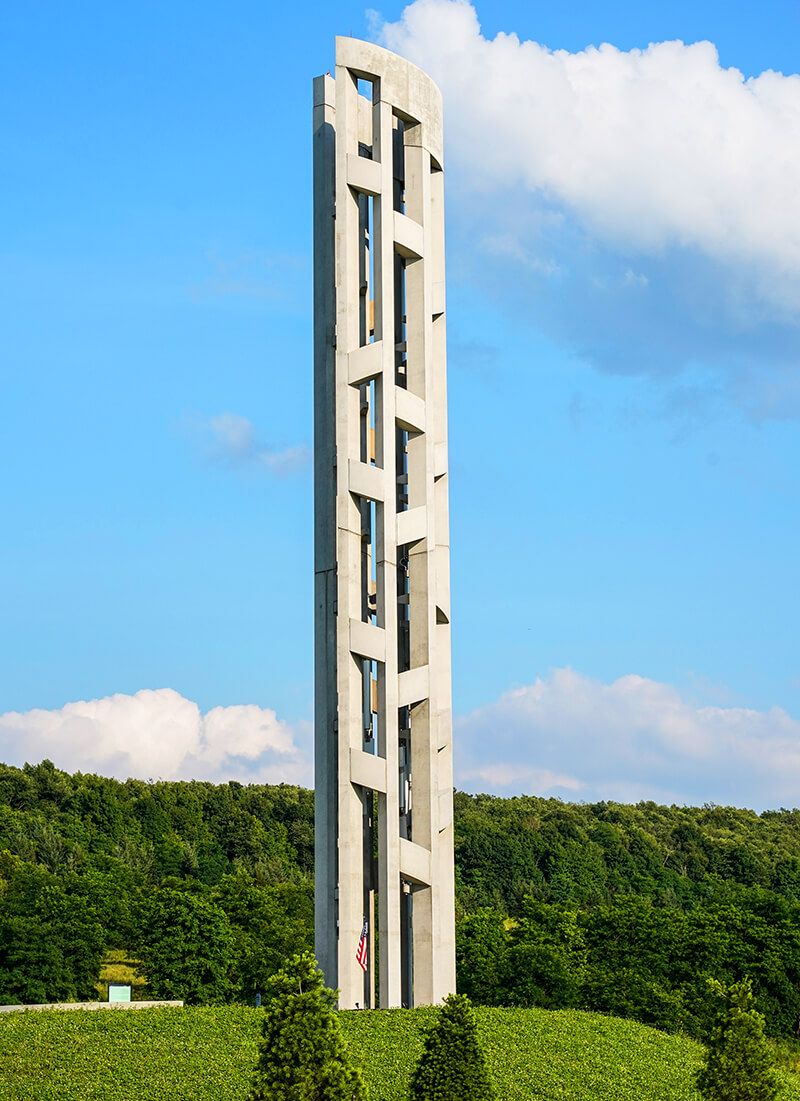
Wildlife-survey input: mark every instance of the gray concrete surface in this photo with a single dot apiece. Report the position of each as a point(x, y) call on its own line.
point(383, 722)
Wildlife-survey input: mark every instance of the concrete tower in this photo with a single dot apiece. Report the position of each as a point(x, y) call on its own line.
point(384, 795)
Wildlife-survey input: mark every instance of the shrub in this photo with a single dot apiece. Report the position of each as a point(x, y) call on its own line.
point(302, 1054)
point(452, 1066)
point(738, 1065)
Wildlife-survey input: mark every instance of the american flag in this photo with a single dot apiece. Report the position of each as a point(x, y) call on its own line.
point(361, 951)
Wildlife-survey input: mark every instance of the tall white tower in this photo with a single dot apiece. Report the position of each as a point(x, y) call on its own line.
point(383, 720)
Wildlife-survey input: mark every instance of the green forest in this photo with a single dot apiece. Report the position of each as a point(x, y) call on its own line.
point(207, 888)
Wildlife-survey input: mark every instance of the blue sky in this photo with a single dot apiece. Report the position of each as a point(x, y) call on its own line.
point(623, 305)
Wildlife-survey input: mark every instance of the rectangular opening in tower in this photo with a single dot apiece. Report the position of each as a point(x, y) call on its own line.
point(369, 704)
point(404, 771)
point(367, 96)
point(400, 322)
point(369, 426)
point(406, 944)
point(370, 882)
point(398, 165)
point(366, 268)
point(368, 511)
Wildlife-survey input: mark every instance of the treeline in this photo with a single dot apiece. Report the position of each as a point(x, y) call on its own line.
point(633, 959)
point(587, 854)
point(626, 909)
point(209, 886)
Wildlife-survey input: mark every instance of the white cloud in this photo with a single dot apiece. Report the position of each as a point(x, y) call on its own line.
point(159, 734)
point(233, 439)
point(575, 737)
point(649, 149)
point(566, 735)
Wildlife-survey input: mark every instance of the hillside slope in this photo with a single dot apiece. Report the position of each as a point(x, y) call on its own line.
point(206, 1054)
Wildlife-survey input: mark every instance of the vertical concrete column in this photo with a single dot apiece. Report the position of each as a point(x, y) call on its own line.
point(326, 815)
point(443, 871)
point(379, 349)
point(350, 978)
point(388, 838)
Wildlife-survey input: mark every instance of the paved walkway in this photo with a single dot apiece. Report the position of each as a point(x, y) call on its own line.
point(89, 1005)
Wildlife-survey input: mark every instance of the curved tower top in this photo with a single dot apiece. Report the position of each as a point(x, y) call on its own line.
point(383, 725)
point(410, 91)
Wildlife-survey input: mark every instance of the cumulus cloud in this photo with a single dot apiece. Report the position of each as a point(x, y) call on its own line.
point(232, 439)
point(566, 735)
point(654, 146)
point(577, 738)
point(639, 206)
point(157, 733)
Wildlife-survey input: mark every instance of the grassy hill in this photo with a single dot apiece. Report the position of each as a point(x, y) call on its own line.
point(206, 1054)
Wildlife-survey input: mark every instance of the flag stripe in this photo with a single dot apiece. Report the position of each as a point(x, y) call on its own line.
point(361, 951)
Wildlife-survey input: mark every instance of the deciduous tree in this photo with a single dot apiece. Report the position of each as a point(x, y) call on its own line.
point(185, 945)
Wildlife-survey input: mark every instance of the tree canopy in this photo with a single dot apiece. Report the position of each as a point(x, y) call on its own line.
point(624, 909)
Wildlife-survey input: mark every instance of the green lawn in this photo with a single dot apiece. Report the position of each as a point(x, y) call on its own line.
point(207, 1054)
